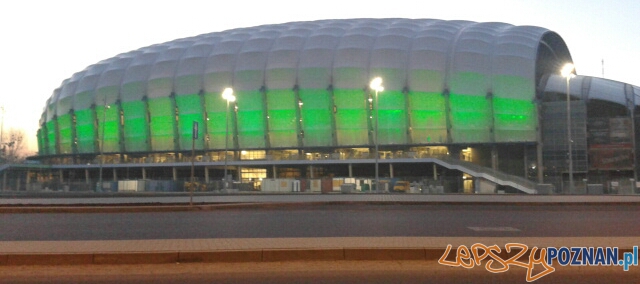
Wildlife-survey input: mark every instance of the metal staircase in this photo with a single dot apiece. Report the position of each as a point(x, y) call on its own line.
point(489, 174)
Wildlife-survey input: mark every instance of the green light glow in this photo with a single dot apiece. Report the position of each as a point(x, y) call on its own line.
point(282, 118)
point(162, 123)
point(190, 110)
point(351, 117)
point(85, 130)
point(509, 114)
point(110, 130)
point(428, 117)
point(392, 124)
point(64, 130)
point(51, 137)
point(316, 117)
point(515, 120)
point(250, 119)
point(470, 118)
point(215, 107)
point(135, 126)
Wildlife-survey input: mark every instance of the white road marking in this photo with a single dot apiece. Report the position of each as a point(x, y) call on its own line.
point(494, 229)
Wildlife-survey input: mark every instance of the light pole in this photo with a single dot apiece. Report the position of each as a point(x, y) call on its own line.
point(376, 85)
point(567, 72)
point(2, 124)
point(227, 94)
point(104, 115)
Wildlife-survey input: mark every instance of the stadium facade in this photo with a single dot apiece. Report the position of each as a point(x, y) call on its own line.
point(466, 107)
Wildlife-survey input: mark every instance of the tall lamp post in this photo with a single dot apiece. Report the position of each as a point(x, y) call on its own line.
point(567, 72)
point(227, 94)
point(376, 85)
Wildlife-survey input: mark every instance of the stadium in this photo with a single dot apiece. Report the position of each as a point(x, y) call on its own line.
point(421, 105)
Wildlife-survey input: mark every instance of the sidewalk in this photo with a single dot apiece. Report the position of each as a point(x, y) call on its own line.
point(199, 198)
point(268, 249)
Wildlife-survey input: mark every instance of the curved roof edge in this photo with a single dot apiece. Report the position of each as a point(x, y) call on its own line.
point(588, 88)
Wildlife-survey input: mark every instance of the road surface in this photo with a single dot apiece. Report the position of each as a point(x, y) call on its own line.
point(333, 220)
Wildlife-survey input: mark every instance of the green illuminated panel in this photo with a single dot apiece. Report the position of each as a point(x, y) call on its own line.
point(85, 130)
point(515, 114)
point(250, 119)
point(64, 130)
point(515, 120)
point(392, 124)
point(108, 125)
point(51, 137)
point(216, 106)
point(282, 118)
point(351, 117)
point(428, 118)
point(316, 117)
point(190, 108)
point(135, 126)
point(41, 142)
point(163, 118)
point(470, 118)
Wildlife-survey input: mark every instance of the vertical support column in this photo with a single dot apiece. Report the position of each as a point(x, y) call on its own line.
point(149, 141)
point(239, 173)
point(175, 173)
point(206, 174)
point(86, 176)
point(334, 110)
point(205, 118)
point(435, 172)
point(390, 170)
point(299, 105)
point(57, 131)
point(176, 113)
point(350, 170)
point(275, 173)
point(265, 111)
point(494, 157)
point(74, 134)
point(115, 175)
point(311, 171)
point(60, 173)
point(28, 179)
point(447, 109)
point(144, 173)
point(407, 107)
point(539, 145)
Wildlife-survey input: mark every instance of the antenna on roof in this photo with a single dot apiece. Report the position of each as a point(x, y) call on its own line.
point(602, 67)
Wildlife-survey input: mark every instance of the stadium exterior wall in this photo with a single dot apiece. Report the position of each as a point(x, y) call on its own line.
point(304, 85)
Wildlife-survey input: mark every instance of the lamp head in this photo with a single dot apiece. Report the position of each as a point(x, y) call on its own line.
point(376, 84)
point(227, 94)
point(567, 70)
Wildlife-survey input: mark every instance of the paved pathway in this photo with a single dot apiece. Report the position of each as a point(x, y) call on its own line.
point(294, 198)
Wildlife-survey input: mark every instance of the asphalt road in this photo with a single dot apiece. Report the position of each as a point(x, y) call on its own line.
point(339, 220)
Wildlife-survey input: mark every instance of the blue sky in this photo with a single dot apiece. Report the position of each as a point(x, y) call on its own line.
point(45, 42)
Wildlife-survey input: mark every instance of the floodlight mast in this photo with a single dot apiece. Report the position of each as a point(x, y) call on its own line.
point(376, 85)
point(567, 72)
point(227, 94)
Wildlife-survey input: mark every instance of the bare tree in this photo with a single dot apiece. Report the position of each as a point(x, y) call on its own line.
point(13, 149)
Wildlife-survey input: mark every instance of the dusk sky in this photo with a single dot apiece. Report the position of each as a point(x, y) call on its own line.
point(45, 42)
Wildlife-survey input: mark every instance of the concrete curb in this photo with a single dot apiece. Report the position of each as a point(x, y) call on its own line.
point(135, 208)
point(260, 255)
